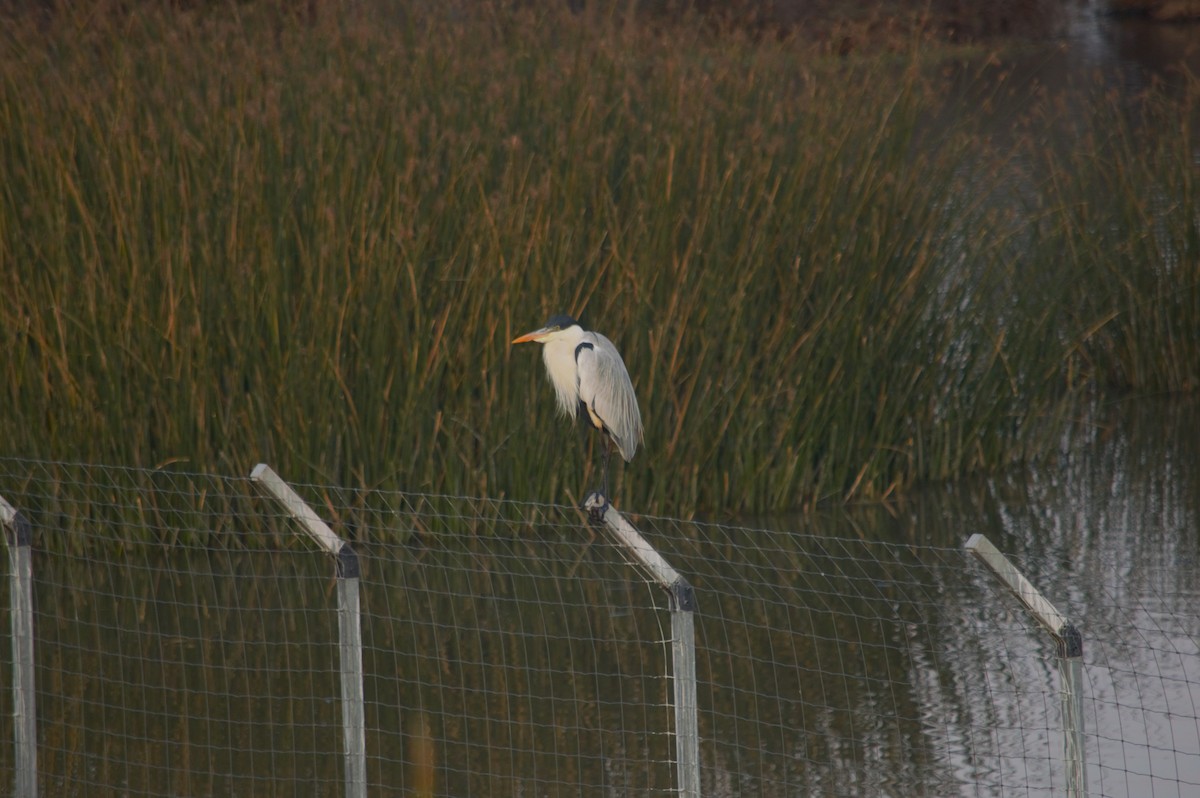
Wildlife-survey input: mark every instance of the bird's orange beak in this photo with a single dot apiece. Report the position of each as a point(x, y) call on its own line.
point(536, 335)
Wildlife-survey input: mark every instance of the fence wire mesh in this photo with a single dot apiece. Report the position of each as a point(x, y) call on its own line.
point(186, 644)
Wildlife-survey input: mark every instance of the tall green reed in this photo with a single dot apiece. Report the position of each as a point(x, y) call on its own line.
point(1122, 216)
point(232, 238)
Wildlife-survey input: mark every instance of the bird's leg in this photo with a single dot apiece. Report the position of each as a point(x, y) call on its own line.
point(585, 440)
point(605, 456)
point(597, 508)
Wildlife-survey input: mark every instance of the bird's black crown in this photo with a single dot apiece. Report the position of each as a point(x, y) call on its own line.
point(561, 322)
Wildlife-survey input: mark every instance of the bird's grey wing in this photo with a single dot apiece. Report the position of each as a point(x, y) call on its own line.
point(605, 387)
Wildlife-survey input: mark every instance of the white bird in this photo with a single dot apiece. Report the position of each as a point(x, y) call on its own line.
point(587, 372)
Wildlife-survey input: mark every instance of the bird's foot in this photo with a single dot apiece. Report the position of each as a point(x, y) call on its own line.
point(596, 504)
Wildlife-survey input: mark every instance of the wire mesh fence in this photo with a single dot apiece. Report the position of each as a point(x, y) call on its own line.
point(187, 644)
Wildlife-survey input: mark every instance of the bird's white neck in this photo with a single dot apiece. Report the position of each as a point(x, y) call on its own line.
point(558, 352)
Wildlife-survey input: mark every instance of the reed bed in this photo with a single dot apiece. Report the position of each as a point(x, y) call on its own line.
point(1122, 220)
point(236, 235)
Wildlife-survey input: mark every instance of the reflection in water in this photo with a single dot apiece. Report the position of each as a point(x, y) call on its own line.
point(860, 653)
point(911, 668)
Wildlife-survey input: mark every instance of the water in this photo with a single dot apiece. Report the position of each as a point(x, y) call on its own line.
point(956, 691)
point(1137, 49)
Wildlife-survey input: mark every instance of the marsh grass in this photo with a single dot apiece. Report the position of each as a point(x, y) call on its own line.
point(1128, 224)
point(238, 236)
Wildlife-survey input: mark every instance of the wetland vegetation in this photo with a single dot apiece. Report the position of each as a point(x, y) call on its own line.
point(231, 234)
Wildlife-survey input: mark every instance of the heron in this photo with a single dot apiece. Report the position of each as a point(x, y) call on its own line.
point(588, 375)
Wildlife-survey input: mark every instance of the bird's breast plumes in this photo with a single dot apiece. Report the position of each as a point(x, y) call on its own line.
point(559, 356)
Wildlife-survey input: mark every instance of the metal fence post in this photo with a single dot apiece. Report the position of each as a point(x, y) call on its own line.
point(683, 641)
point(1070, 656)
point(19, 537)
point(349, 623)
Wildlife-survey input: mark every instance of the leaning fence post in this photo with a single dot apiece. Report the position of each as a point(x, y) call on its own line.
point(349, 623)
point(1070, 656)
point(19, 536)
point(683, 640)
